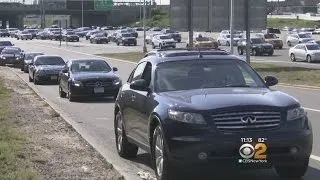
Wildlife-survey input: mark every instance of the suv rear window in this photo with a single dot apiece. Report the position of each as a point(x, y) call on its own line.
point(274, 31)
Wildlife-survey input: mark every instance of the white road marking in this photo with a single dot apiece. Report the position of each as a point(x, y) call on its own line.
point(310, 109)
point(300, 87)
point(317, 158)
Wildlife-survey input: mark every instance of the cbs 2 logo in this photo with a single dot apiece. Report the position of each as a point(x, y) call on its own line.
point(257, 152)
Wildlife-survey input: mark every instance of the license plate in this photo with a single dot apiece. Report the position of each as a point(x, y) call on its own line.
point(98, 90)
point(54, 77)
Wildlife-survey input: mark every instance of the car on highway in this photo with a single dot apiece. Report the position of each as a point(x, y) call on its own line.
point(55, 35)
point(203, 42)
point(309, 52)
point(192, 108)
point(225, 39)
point(257, 47)
point(294, 39)
point(10, 56)
point(274, 40)
point(4, 33)
point(99, 39)
point(27, 60)
point(149, 37)
point(4, 44)
point(174, 34)
point(163, 41)
point(45, 69)
point(88, 78)
point(70, 36)
point(126, 39)
point(24, 35)
point(133, 32)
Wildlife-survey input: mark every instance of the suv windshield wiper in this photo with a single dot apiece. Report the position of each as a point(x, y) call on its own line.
point(237, 85)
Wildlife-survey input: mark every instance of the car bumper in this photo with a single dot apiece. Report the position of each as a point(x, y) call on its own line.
point(224, 149)
point(10, 61)
point(89, 91)
point(265, 51)
point(129, 42)
point(101, 40)
point(47, 77)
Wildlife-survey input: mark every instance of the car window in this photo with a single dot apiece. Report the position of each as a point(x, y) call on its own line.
point(137, 74)
point(147, 73)
point(49, 61)
point(90, 66)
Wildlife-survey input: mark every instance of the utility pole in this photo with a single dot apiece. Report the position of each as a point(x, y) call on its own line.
point(210, 15)
point(144, 27)
point(140, 12)
point(190, 22)
point(247, 28)
point(231, 25)
point(82, 13)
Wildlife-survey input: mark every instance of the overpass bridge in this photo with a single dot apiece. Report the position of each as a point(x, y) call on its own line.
point(119, 13)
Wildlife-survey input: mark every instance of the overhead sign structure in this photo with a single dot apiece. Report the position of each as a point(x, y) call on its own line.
point(103, 4)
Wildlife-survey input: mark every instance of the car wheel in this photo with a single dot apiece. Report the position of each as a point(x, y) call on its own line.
point(62, 94)
point(22, 68)
point(125, 149)
point(227, 44)
point(289, 43)
point(160, 160)
point(309, 59)
point(292, 57)
point(240, 51)
point(36, 82)
point(70, 96)
point(30, 79)
point(271, 53)
point(294, 170)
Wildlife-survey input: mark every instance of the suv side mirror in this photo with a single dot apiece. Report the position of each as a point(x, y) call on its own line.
point(271, 81)
point(140, 85)
point(115, 69)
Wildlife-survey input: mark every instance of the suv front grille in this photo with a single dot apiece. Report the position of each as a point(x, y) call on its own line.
point(242, 121)
point(98, 83)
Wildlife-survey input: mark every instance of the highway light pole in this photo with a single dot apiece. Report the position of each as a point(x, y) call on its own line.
point(144, 27)
point(231, 25)
point(190, 23)
point(247, 28)
point(82, 13)
point(140, 13)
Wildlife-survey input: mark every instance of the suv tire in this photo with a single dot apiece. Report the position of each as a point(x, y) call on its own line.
point(62, 94)
point(309, 59)
point(160, 160)
point(294, 170)
point(125, 149)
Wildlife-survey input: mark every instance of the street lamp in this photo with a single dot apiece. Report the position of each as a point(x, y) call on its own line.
point(144, 27)
point(82, 13)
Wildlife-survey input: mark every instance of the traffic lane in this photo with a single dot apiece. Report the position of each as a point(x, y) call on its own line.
point(95, 117)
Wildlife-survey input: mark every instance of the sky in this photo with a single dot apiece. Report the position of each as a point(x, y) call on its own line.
point(163, 2)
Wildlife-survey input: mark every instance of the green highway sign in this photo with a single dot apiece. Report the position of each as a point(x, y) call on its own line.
point(103, 4)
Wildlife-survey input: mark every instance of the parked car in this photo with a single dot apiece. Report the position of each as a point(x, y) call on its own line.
point(155, 29)
point(79, 33)
point(188, 109)
point(258, 47)
point(225, 39)
point(4, 44)
point(270, 30)
point(174, 34)
point(70, 36)
point(286, 28)
point(133, 32)
point(90, 33)
point(99, 39)
point(13, 33)
point(55, 35)
point(24, 35)
point(43, 35)
point(150, 37)
point(309, 52)
point(33, 32)
point(316, 31)
point(314, 41)
point(88, 77)
point(163, 41)
point(274, 40)
point(298, 38)
point(10, 56)
point(112, 37)
point(4, 33)
point(203, 42)
point(45, 69)
point(126, 39)
point(27, 60)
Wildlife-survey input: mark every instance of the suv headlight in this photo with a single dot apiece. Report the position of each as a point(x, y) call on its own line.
point(191, 118)
point(117, 82)
point(2, 57)
point(295, 113)
point(76, 83)
point(41, 71)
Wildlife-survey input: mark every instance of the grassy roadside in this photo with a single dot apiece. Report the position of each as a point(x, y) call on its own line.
point(12, 161)
point(287, 75)
point(282, 22)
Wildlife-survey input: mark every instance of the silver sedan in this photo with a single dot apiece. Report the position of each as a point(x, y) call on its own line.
point(309, 52)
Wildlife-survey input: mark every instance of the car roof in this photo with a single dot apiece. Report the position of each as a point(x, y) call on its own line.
point(49, 56)
point(182, 54)
point(86, 59)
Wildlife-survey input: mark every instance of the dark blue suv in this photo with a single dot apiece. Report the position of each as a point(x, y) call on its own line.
point(190, 107)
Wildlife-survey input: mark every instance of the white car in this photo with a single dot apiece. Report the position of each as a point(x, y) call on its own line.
point(150, 37)
point(309, 52)
point(163, 41)
point(225, 39)
point(294, 39)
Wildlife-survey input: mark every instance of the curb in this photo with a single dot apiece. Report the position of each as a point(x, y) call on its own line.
point(67, 119)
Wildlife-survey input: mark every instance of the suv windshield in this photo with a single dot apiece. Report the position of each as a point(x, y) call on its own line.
point(5, 43)
point(313, 47)
point(304, 36)
point(270, 36)
point(257, 41)
point(90, 66)
point(275, 31)
point(195, 74)
point(165, 37)
point(170, 31)
point(126, 35)
point(10, 51)
point(49, 61)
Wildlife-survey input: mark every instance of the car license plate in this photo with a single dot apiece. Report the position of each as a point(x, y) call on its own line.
point(98, 90)
point(54, 77)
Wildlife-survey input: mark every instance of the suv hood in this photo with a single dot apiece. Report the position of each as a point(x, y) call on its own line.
point(209, 99)
point(80, 76)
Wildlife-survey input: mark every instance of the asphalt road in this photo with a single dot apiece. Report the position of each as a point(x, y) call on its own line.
point(93, 119)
